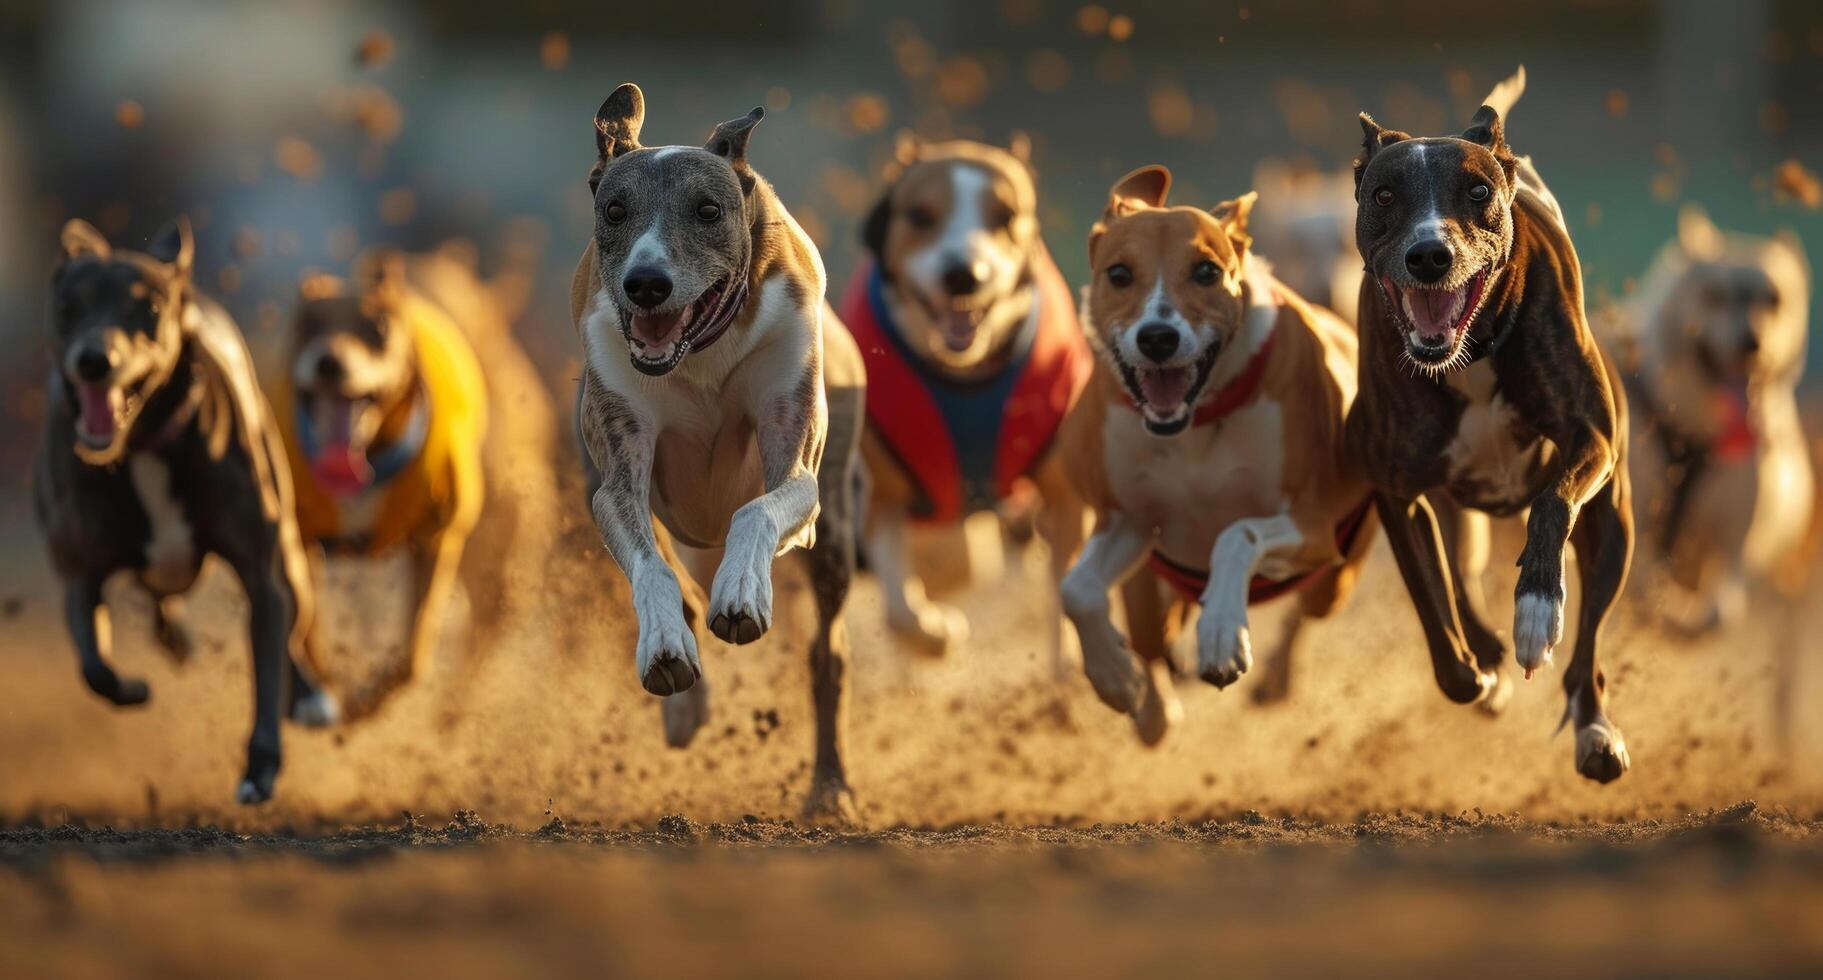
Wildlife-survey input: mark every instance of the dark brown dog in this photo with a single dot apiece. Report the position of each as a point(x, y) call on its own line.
point(1482, 384)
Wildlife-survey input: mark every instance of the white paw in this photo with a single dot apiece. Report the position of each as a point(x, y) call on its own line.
point(740, 601)
point(1537, 629)
point(685, 713)
point(1601, 752)
point(1224, 649)
point(318, 709)
point(1114, 673)
point(666, 655)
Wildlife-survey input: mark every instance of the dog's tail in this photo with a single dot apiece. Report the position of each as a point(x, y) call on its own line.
point(1506, 93)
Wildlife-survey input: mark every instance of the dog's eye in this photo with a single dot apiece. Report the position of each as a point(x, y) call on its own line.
point(1479, 192)
point(616, 213)
point(921, 218)
point(1119, 276)
point(1383, 196)
point(708, 210)
point(1204, 273)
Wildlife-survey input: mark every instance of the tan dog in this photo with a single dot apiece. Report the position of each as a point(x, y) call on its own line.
point(1210, 444)
point(1722, 471)
point(974, 358)
point(384, 414)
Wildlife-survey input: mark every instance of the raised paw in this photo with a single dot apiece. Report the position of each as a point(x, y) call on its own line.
point(831, 803)
point(1537, 629)
point(1224, 649)
point(685, 713)
point(1114, 673)
point(740, 602)
point(122, 692)
point(1601, 753)
point(1159, 709)
point(934, 629)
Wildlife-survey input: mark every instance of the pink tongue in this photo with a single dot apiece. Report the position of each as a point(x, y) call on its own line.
point(959, 330)
point(1165, 390)
point(339, 467)
point(1431, 309)
point(97, 410)
point(656, 329)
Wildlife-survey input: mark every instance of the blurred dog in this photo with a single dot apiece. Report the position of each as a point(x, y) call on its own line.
point(1719, 326)
point(1305, 226)
point(716, 380)
point(1481, 381)
point(384, 414)
point(158, 451)
point(973, 358)
point(1210, 445)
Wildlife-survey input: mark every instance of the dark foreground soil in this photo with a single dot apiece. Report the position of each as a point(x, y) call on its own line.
point(1735, 892)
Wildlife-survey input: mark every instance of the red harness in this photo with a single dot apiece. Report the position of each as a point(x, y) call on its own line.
point(965, 445)
point(1190, 582)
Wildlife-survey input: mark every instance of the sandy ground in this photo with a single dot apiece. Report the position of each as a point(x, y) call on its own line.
point(1367, 823)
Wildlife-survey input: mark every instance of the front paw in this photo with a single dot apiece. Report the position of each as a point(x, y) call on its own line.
point(1224, 649)
point(1537, 629)
point(256, 785)
point(740, 601)
point(316, 709)
point(1114, 673)
point(666, 654)
point(122, 692)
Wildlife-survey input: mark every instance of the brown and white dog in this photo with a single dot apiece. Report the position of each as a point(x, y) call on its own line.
point(1722, 467)
point(720, 408)
point(974, 358)
point(1482, 384)
point(1209, 444)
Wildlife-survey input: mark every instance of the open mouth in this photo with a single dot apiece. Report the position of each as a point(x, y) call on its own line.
point(958, 319)
point(104, 411)
point(1166, 395)
point(659, 340)
point(336, 449)
point(1435, 320)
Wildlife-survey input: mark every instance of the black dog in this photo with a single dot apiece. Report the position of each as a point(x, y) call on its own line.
point(158, 450)
point(1481, 383)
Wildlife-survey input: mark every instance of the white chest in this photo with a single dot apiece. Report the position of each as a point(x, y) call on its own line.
point(171, 545)
point(1191, 486)
point(1491, 450)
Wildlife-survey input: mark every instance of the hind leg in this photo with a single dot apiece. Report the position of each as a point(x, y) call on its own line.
point(1465, 550)
point(1411, 529)
point(832, 566)
point(1604, 548)
point(171, 628)
point(1159, 709)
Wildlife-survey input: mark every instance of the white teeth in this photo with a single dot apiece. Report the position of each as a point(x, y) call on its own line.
point(1405, 300)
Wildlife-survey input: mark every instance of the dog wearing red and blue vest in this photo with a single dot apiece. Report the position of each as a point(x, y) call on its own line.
point(1210, 445)
point(974, 357)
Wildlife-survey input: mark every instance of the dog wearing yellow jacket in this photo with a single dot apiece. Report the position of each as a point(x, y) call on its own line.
point(384, 414)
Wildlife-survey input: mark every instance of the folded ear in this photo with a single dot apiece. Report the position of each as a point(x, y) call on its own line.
point(174, 246)
point(1143, 188)
point(1696, 234)
point(380, 275)
point(81, 240)
point(1374, 139)
point(617, 125)
point(729, 141)
point(1488, 130)
point(1233, 215)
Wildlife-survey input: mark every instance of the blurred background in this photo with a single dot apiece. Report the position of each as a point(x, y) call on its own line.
point(294, 134)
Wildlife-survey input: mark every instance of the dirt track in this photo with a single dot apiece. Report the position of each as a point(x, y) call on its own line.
point(1255, 842)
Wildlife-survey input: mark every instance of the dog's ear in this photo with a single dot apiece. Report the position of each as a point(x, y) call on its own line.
point(1696, 234)
point(175, 246)
point(1020, 146)
point(1143, 188)
point(81, 240)
point(873, 231)
point(617, 125)
point(315, 284)
point(729, 141)
point(1375, 138)
point(1232, 216)
point(1487, 129)
point(380, 276)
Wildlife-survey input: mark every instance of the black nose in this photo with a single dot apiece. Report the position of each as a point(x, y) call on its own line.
point(1157, 341)
point(1429, 261)
point(960, 280)
point(94, 363)
point(330, 368)
point(647, 287)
